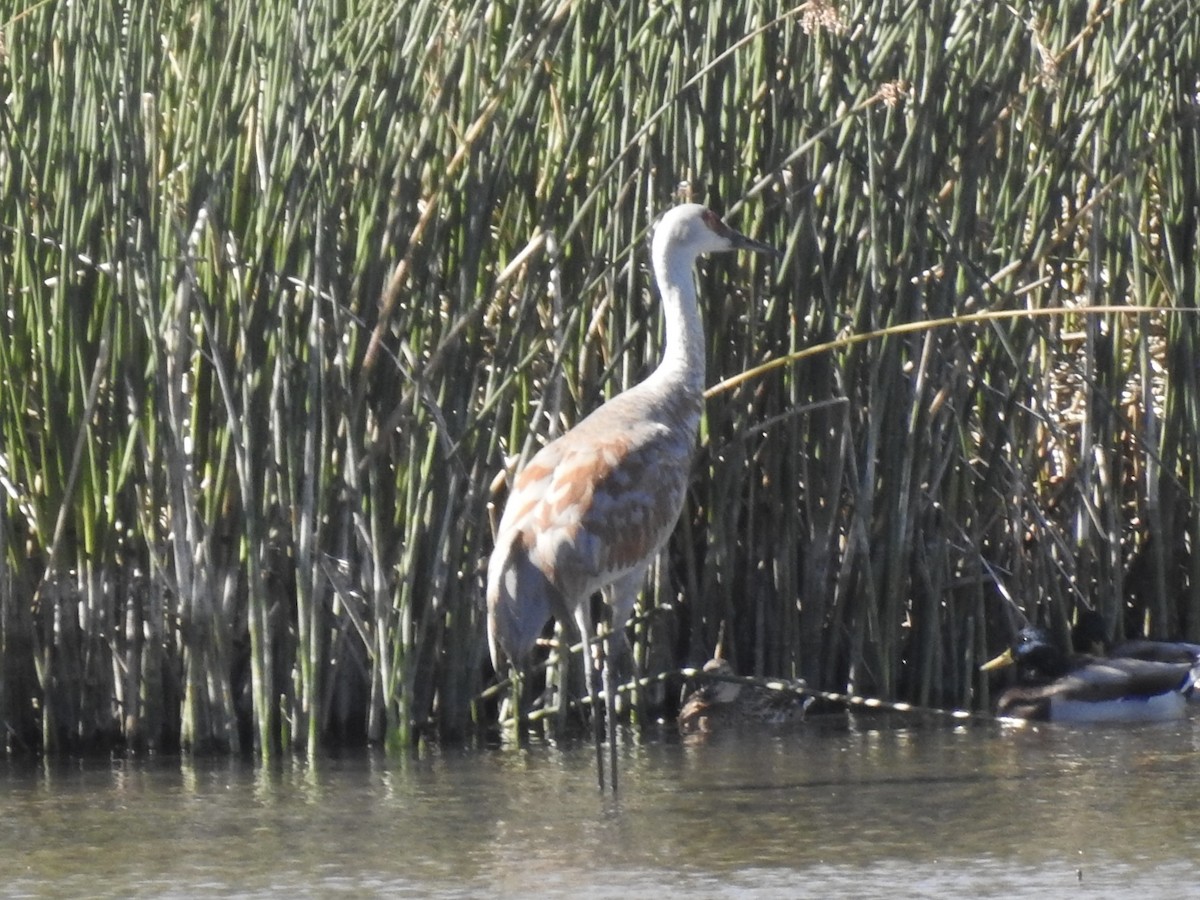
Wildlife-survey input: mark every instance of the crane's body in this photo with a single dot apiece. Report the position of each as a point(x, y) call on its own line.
point(592, 509)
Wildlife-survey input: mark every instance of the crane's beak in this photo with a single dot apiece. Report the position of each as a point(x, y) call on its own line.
point(741, 242)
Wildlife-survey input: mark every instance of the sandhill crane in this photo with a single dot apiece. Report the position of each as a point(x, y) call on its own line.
point(593, 508)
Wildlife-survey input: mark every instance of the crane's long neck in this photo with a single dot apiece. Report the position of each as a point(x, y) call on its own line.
point(683, 356)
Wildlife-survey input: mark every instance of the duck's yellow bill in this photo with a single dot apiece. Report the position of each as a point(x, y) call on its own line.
point(1004, 659)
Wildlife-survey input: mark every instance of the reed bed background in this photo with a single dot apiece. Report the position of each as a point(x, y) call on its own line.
point(285, 284)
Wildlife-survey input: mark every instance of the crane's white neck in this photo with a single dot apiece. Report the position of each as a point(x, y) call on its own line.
point(683, 355)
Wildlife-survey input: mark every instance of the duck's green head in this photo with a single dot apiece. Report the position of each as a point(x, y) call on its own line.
point(1034, 653)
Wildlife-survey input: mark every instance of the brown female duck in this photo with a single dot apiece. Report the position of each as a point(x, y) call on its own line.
point(1091, 636)
point(719, 705)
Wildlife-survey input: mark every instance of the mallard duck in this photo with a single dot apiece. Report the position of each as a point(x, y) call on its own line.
point(1081, 688)
point(1090, 636)
point(722, 704)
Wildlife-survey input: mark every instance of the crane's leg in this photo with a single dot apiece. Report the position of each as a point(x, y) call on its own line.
point(583, 619)
point(621, 597)
point(610, 704)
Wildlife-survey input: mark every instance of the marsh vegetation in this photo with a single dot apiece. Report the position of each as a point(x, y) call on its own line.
point(284, 284)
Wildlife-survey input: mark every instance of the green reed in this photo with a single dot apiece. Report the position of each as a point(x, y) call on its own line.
point(284, 285)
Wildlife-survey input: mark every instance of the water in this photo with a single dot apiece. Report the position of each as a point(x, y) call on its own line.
point(865, 806)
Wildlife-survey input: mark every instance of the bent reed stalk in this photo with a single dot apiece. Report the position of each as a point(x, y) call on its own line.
point(284, 285)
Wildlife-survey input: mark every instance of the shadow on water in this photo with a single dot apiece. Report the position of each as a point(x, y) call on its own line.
point(864, 805)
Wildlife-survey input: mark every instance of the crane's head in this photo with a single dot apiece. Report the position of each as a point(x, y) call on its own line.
point(692, 229)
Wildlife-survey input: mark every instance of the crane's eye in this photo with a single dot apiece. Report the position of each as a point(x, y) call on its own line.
point(713, 221)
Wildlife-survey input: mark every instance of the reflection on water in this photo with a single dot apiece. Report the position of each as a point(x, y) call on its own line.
point(862, 806)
